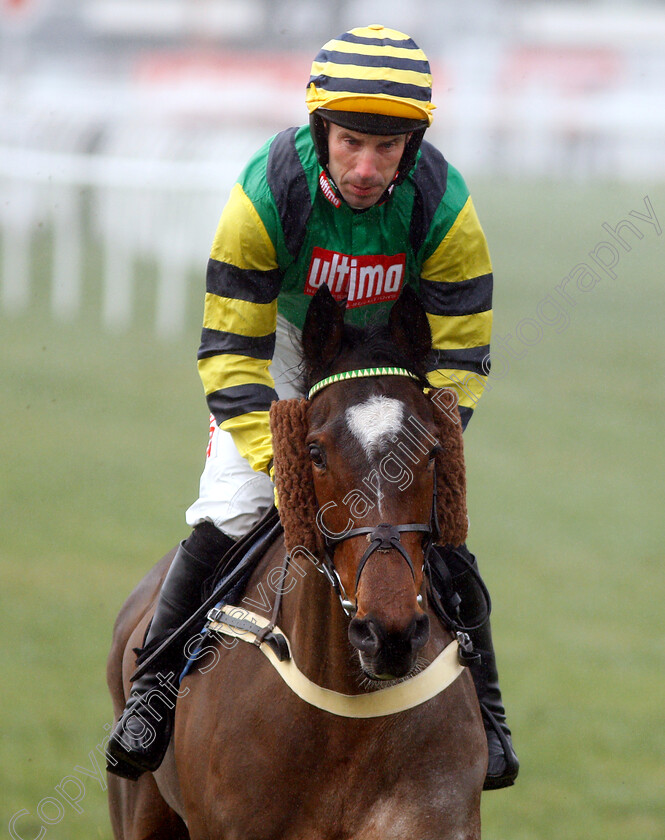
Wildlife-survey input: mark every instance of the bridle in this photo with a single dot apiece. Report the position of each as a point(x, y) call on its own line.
point(382, 537)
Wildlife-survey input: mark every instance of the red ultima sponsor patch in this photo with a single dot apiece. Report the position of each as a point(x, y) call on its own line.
point(371, 278)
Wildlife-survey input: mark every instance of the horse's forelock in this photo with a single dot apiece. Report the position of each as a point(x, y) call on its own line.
point(362, 347)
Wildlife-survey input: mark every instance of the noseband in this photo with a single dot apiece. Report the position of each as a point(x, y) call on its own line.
point(382, 537)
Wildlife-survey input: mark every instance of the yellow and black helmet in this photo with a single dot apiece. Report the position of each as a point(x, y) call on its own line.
point(373, 80)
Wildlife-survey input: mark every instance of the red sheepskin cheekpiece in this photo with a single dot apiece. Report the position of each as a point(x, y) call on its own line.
point(293, 476)
point(450, 469)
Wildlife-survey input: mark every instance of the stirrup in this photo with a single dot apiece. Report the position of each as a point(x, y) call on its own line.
point(129, 763)
point(512, 765)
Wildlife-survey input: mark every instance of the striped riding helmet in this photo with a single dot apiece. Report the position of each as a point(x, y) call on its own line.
point(373, 80)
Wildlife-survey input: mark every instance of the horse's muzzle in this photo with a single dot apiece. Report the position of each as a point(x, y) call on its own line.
point(388, 655)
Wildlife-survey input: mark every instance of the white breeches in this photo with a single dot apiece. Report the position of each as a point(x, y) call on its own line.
point(231, 494)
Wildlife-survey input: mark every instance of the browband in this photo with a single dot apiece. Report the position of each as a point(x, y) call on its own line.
point(358, 374)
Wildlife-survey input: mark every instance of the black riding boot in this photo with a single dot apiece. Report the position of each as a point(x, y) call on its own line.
point(503, 764)
point(141, 737)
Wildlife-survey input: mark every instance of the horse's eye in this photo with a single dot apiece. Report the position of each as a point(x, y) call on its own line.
point(316, 455)
point(434, 452)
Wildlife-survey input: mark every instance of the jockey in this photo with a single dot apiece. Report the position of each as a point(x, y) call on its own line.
point(358, 200)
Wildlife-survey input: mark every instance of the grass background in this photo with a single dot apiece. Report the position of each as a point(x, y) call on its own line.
point(101, 445)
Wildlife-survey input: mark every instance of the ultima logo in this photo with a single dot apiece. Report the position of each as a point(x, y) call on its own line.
point(370, 278)
point(328, 191)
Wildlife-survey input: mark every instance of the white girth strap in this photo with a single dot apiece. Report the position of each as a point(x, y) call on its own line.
point(431, 681)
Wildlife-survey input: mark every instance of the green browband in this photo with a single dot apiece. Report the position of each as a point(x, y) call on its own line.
point(358, 374)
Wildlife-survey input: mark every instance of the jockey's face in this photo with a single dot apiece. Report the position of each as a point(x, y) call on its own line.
point(362, 165)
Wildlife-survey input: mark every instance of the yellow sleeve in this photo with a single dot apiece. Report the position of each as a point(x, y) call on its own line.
point(456, 288)
point(239, 321)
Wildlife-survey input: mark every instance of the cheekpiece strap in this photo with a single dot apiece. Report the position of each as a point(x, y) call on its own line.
point(358, 374)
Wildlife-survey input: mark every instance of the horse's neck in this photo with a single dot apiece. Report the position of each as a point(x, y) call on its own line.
point(318, 631)
point(311, 617)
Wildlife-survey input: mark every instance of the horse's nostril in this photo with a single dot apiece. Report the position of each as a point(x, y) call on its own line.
point(363, 636)
point(420, 632)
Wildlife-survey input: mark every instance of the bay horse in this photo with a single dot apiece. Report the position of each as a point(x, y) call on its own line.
point(369, 472)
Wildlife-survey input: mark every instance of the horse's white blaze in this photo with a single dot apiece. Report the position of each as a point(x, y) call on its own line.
point(375, 419)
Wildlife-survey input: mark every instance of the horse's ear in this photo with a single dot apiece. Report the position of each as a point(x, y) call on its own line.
point(293, 476)
point(450, 469)
point(323, 330)
point(409, 327)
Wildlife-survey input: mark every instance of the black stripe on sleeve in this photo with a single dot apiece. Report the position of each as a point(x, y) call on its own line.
point(216, 342)
point(431, 179)
point(474, 359)
point(465, 297)
point(288, 184)
point(240, 399)
point(228, 280)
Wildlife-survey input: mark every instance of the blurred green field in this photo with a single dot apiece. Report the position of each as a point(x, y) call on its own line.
point(101, 444)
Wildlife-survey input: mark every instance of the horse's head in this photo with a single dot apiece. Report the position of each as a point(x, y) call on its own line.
point(374, 445)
